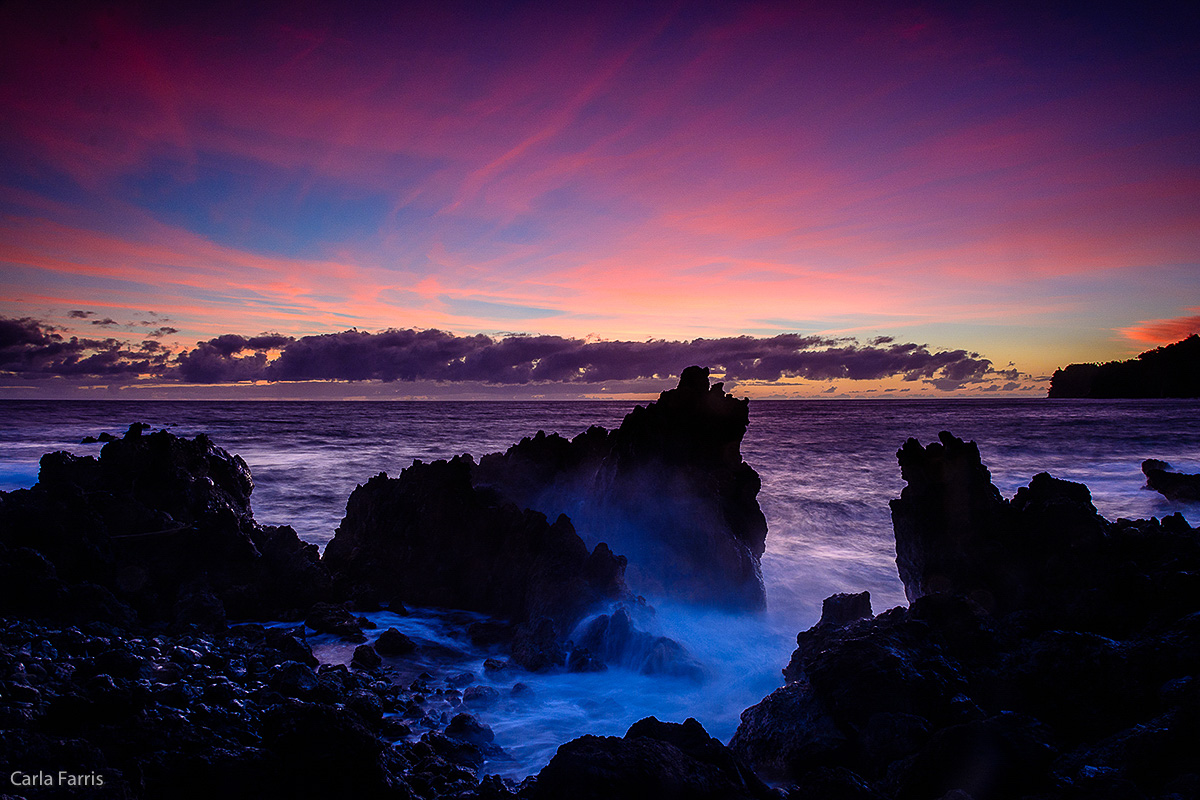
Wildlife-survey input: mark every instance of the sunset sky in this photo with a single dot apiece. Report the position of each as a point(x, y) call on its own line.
point(835, 198)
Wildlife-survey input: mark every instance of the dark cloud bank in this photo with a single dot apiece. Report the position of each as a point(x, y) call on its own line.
point(30, 348)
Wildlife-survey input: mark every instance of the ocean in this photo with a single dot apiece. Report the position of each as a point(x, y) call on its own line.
point(828, 469)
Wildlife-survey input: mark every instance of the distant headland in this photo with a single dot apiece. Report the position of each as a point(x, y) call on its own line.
point(1170, 371)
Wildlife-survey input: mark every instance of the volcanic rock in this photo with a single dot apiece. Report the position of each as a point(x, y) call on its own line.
point(366, 658)
point(1046, 552)
point(614, 640)
point(160, 524)
point(469, 729)
point(432, 537)
point(394, 643)
point(1179, 486)
point(205, 725)
point(654, 759)
point(668, 489)
point(842, 609)
point(481, 696)
point(537, 646)
point(1046, 653)
point(294, 680)
point(335, 619)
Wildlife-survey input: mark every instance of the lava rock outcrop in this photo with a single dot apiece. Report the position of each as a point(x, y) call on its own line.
point(1179, 486)
point(1046, 652)
point(429, 537)
point(159, 527)
point(665, 760)
point(668, 489)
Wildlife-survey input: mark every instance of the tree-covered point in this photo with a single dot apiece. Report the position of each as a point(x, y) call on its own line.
point(1170, 371)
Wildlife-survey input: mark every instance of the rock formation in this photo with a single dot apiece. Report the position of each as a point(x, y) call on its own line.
point(669, 486)
point(1046, 552)
point(1178, 486)
point(1046, 652)
point(117, 576)
point(158, 526)
point(668, 489)
point(613, 639)
point(428, 537)
point(654, 759)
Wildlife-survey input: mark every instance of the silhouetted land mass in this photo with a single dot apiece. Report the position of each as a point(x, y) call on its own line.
point(1170, 371)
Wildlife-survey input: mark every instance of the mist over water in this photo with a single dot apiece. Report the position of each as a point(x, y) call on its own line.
point(828, 470)
point(742, 656)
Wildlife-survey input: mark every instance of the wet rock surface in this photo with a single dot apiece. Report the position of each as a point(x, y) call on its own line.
point(394, 643)
point(157, 529)
point(653, 759)
point(430, 538)
point(208, 715)
point(668, 489)
point(613, 639)
point(1180, 486)
point(337, 619)
point(1046, 653)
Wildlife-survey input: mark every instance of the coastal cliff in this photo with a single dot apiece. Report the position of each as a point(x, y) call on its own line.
point(1170, 371)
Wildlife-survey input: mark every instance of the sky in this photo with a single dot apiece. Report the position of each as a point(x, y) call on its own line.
point(527, 200)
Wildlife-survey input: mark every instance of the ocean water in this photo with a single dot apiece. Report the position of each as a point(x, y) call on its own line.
point(828, 469)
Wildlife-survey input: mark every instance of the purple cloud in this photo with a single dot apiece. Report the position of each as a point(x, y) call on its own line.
point(32, 348)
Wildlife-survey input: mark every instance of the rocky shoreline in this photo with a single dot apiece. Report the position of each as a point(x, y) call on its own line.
point(1046, 652)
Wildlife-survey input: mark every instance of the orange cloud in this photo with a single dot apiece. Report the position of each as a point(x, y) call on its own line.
point(1164, 331)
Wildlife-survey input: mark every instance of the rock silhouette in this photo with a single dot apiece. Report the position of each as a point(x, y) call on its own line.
point(1046, 652)
point(668, 489)
point(159, 527)
point(668, 485)
point(428, 537)
point(1178, 486)
point(653, 759)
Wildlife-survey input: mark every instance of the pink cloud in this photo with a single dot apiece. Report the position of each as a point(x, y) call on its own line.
point(1164, 331)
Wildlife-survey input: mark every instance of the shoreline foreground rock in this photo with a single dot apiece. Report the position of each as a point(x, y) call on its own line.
point(120, 676)
point(668, 489)
point(158, 529)
point(1046, 652)
point(1179, 486)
